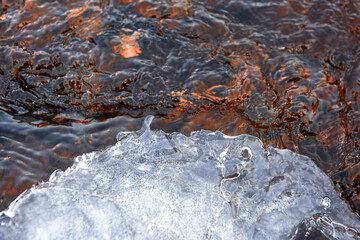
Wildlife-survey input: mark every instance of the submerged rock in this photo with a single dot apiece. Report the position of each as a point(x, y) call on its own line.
point(155, 185)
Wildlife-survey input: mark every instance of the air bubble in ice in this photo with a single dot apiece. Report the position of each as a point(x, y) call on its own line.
point(246, 152)
point(326, 202)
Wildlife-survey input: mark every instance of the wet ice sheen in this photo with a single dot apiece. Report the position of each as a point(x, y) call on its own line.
point(154, 185)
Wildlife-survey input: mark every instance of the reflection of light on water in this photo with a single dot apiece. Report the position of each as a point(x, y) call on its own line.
point(129, 46)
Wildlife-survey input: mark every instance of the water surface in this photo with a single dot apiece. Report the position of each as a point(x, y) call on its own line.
point(73, 73)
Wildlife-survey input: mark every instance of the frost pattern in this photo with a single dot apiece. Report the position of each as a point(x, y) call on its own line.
point(154, 185)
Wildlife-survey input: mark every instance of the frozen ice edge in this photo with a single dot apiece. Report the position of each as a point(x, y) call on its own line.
point(199, 187)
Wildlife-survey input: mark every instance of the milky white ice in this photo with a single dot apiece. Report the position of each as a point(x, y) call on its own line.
point(154, 185)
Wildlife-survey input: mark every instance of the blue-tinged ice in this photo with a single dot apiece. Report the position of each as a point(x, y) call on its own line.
point(154, 185)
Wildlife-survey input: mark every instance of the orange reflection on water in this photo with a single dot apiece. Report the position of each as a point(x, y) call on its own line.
point(77, 11)
point(129, 47)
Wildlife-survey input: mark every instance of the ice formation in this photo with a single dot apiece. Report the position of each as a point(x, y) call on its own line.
point(155, 185)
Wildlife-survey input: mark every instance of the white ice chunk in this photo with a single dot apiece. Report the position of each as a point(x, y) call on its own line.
point(154, 185)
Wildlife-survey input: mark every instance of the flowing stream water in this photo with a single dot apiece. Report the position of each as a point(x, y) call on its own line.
point(75, 73)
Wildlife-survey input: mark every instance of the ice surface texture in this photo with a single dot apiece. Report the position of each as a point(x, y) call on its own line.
point(154, 185)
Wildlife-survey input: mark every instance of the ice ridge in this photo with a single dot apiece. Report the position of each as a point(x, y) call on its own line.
point(156, 185)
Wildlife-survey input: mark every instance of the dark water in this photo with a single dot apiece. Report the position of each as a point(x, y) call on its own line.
point(74, 73)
